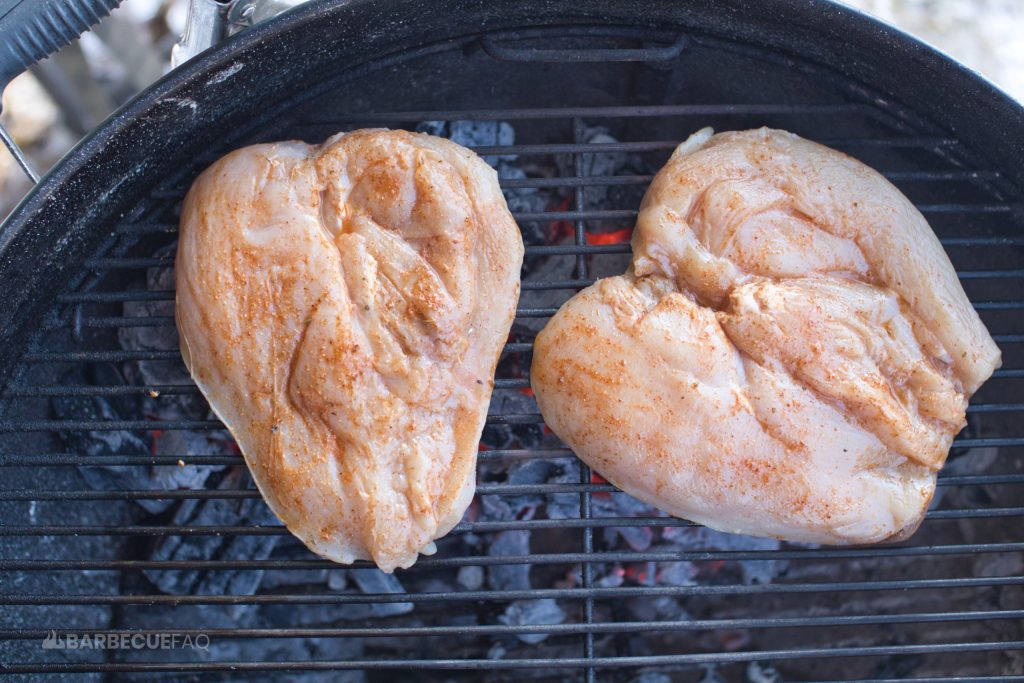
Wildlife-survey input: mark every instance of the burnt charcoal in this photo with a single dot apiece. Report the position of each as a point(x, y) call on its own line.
point(550, 268)
point(711, 675)
point(657, 608)
point(532, 612)
point(624, 505)
point(613, 579)
point(274, 579)
point(243, 649)
point(337, 579)
point(474, 134)
point(998, 565)
point(530, 472)
point(968, 461)
point(602, 163)
point(608, 164)
point(287, 616)
point(898, 667)
point(373, 582)
point(215, 512)
point(751, 571)
point(758, 672)
point(188, 443)
point(154, 337)
point(64, 616)
point(508, 577)
point(506, 508)
point(188, 406)
point(653, 677)
point(677, 574)
point(638, 538)
point(628, 506)
point(503, 436)
point(522, 507)
point(471, 578)
point(565, 505)
point(109, 443)
point(322, 676)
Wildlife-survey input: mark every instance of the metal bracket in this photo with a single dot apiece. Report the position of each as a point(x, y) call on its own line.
point(206, 24)
point(210, 21)
point(246, 13)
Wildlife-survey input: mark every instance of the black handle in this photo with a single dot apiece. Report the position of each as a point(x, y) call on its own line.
point(32, 30)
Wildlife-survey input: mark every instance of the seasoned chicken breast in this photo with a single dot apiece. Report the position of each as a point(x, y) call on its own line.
point(790, 354)
point(343, 308)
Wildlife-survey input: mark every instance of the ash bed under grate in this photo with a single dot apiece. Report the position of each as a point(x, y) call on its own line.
point(126, 507)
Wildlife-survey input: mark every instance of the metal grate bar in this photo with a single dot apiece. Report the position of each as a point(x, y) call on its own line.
point(587, 523)
point(540, 558)
point(548, 664)
point(553, 629)
point(587, 570)
point(617, 593)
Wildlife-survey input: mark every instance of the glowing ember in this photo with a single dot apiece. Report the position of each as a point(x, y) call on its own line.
point(615, 237)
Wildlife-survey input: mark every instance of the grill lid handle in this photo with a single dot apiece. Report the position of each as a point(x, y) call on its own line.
point(33, 30)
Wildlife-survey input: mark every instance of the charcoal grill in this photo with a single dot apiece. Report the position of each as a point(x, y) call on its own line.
point(81, 262)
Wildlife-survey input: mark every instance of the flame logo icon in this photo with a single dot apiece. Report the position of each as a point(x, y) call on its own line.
point(53, 642)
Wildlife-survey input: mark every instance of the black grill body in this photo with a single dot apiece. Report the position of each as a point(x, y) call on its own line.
point(177, 540)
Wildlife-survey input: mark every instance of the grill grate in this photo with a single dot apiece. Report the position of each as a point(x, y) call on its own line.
point(950, 599)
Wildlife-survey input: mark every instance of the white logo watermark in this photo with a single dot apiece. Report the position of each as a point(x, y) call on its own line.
point(126, 641)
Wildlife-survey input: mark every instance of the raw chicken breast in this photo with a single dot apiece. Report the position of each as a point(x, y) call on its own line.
point(343, 308)
point(789, 355)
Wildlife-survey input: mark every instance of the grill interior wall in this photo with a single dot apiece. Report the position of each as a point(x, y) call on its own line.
point(947, 602)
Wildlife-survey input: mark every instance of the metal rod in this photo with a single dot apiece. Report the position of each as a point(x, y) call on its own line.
point(548, 664)
point(587, 524)
point(568, 558)
point(597, 593)
point(19, 156)
point(552, 629)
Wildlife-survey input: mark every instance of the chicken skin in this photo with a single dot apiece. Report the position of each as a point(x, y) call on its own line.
point(789, 355)
point(343, 307)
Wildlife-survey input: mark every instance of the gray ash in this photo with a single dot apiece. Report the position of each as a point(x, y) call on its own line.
point(530, 613)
